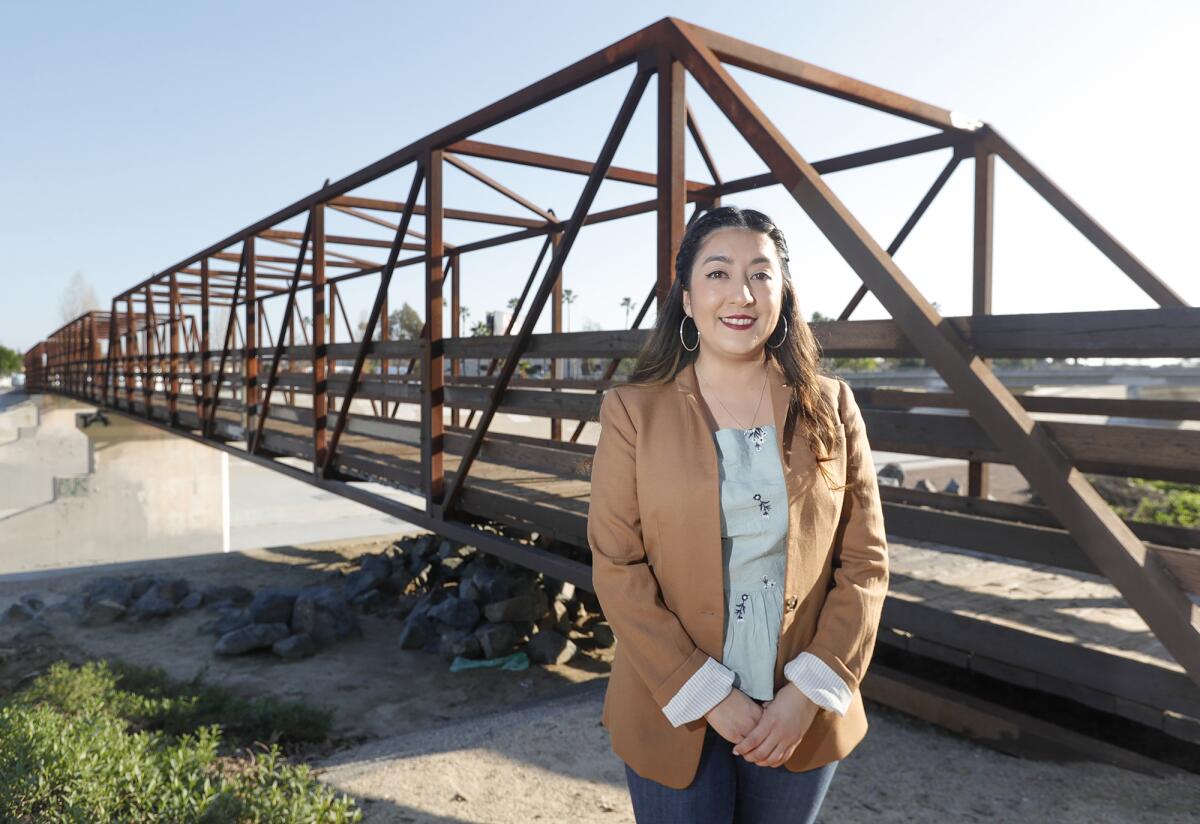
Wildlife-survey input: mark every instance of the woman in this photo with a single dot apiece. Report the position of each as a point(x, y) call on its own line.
point(738, 544)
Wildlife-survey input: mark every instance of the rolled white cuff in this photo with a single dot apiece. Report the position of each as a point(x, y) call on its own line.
point(822, 685)
point(707, 687)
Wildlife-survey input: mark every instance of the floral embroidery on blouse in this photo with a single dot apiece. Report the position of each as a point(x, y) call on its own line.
point(768, 583)
point(740, 607)
point(763, 505)
point(757, 436)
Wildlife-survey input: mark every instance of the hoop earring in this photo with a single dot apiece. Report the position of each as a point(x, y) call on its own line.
point(785, 334)
point(681, 341)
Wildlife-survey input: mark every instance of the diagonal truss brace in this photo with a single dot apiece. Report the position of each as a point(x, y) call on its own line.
point(616, 133)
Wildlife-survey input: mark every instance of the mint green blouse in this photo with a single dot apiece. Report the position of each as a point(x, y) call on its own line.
point(754, 525)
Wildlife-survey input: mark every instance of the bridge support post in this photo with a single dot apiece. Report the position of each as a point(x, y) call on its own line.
point(981, 287)
point(204, 342)
point(432, 364)
point(250, 353)
point(173, 378)
point(130, 351)
point(320, 384)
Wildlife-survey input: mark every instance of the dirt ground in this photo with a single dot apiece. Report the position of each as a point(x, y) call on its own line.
point(417, 743)
point(377, 688)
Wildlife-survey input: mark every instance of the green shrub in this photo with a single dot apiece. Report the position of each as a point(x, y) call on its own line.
point(1179, 508)
point(75, 746)
point(1178, 505)
point(149, 700)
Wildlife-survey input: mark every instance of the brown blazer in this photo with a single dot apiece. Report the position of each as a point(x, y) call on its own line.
point(655, 535)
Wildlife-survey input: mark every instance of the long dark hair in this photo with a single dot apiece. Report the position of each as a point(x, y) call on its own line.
point(663, 354)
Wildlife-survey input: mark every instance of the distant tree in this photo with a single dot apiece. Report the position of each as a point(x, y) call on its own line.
point(480, 329)
point(569, 297)
point(404, 323)
point(10, 361)
point(77, 299)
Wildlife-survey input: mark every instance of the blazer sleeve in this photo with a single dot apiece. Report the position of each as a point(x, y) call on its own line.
point(849, 620)
point(652, 637)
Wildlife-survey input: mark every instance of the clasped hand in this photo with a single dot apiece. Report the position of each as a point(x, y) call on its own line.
point(766, 735)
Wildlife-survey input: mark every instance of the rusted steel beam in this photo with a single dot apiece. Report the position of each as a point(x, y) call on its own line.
point(254, 442)
point(1138, 272)
point(320, 363)
point(672, 123)
point(909, 225)
point(347, 240)
point(130, 352)
point(221, 277)
point(782, 67)
point(701, 144)
point(641, 79)
point(981, 286)
point(455, 325)
point(432, 362)
point(265, 259)
point(384, 333)
point(1117, 552)
point(110, 392)
point(558, 163)
point(148, 379)
point(378, 221)
point(205, 343)
point(448, 214)
point(706, 194)
point(556, 364)
point(209, 422)
point(250, 355)
point(286, 237)
point(499, 187)
point(336, 297)
point(173, 390)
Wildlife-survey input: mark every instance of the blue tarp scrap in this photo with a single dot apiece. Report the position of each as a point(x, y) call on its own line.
point(514, 662)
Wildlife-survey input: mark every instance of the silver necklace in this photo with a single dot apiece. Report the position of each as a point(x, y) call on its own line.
point(755, 434)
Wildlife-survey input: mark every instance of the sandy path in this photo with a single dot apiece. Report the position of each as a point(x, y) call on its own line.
point(551, 762)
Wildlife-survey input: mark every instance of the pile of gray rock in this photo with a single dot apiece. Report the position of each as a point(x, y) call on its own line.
point(456, 601)
point(103, 601)
point(292, 622)
point(892, 474)
point(452, 600)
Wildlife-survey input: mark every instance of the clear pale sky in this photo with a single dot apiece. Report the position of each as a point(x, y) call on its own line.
point(132, 135)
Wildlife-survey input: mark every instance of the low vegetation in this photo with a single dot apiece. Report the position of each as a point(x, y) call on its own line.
point(1176, 504)
point(106, 742)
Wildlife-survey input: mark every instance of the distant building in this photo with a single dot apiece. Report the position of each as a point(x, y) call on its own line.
point(498, 320)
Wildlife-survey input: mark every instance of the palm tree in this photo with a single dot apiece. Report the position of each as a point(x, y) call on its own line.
point(568, 297)
point(629, 305)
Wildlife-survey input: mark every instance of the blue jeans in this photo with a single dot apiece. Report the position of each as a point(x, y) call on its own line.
point(728, 789)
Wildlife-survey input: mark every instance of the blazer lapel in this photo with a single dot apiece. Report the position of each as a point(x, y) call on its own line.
point(700, 528)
